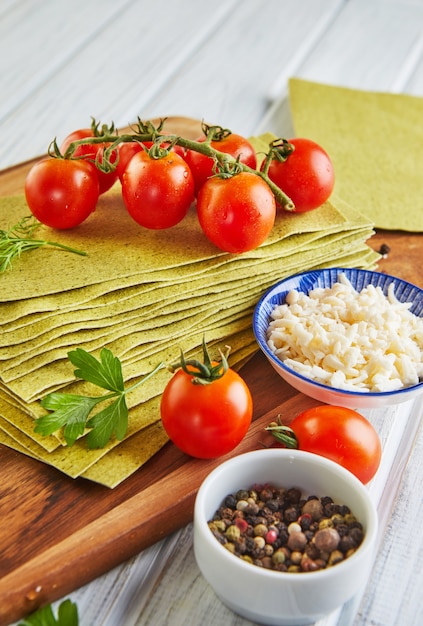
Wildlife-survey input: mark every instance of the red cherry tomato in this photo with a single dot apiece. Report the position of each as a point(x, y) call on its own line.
point(206, 420)
point(307, 175)
point(157, 192)
point(342, 435)
point(126, 152)
point(90, 151)
point(233, 144)
point(128, 149)
point(62, 193)
point(237, 213)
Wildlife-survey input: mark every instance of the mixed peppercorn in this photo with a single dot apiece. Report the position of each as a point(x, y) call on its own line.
point(279, 529)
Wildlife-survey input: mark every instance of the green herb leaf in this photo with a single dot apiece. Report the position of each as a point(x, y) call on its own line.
point(70, 411)
point(112, 419)
point(106, 373)
point(19, 239)
point(73, 412)
point(67, 616)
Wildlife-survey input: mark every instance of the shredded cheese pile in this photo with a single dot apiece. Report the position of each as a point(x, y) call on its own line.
point(359, 341)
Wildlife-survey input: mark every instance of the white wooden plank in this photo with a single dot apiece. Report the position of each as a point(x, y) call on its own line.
point(7, 6)
point(41, 37)
point(396, 598)
point(411, 80)
point(144, 45)
point(368, 46)
point(228, 81)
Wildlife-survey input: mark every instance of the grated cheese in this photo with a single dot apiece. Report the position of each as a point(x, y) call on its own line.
point(358, 341)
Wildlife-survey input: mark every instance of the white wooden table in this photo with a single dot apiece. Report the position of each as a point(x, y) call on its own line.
point(227, 62)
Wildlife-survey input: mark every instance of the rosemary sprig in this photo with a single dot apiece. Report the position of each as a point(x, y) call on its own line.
point(19, 239)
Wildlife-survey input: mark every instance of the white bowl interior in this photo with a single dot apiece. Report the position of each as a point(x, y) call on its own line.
point(278, 598)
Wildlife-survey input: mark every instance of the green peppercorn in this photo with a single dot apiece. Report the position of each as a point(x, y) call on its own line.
point(260, 530)
point(279, 557)
point(247, 558)
point(294, 569)
point(296, 557)
point(335, 557)
point(326, 522)
point(233, 533)
point(217, 526)
point(230, 547)
point(337, 519)
point(259, 542)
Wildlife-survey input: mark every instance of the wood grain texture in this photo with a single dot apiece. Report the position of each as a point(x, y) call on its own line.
point(55, 539)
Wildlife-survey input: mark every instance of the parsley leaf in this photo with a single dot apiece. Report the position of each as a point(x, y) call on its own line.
point(112, 418)
point(106, 373)
point(67, 616)
point(70, 411)
point(73, 413)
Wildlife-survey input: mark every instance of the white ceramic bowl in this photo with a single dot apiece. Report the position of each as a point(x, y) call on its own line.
point(272, 597)
point(305, 282)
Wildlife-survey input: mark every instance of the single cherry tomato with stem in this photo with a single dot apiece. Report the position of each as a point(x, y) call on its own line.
point(337, 433)
point(61, 193)
point(157, 188)
point(92, 152)
point(303, 170)
point(237, 146)
point(128, 149)
point(236, 213)
point(206, 407)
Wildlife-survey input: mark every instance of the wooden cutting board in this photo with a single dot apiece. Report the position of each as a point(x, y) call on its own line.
point(57, 534)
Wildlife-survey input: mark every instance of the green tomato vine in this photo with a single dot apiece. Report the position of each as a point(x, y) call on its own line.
point(225, 164)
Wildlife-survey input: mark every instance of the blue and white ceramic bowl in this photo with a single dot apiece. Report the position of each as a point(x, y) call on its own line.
point(305, 282)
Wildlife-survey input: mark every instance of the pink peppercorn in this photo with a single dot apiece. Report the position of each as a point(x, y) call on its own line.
point(271, 536)
point(242, 524)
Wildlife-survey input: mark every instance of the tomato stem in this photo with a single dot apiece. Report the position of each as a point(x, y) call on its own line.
point(226, 165)
point(280, 149)
point(283, 434)
point(206, 372)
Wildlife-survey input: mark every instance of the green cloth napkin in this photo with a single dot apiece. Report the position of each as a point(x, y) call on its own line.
point(375, 141)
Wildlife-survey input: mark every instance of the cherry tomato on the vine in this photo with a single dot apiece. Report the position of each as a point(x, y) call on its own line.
point(206, 420)
point(128, 149)
point(61, 193)
point(236, 213)
point(232, 144)
point(342, 435)
point(157, 192)
point(91, 152)
point(307, 175)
